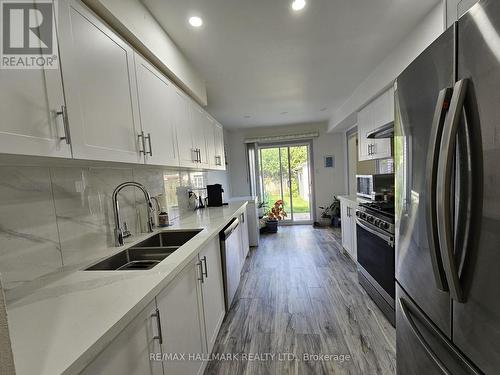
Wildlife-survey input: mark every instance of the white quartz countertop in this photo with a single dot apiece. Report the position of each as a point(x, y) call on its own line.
point(61, 326)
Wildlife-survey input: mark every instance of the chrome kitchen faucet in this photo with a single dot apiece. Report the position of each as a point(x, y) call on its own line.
point(121, 233)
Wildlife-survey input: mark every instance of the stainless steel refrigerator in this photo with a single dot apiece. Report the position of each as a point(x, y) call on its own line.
point(447, 159)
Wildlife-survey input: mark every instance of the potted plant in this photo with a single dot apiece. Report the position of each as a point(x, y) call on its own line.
point(275, 214)
point(262, 209)
point(330, 214)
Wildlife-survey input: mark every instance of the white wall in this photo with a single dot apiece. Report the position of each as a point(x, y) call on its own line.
point(138, 26)
point(385, 73)
point(327, 181)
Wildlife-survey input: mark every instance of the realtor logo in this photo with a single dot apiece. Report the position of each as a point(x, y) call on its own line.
point(28, 34)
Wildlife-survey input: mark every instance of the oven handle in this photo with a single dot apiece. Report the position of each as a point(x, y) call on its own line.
point(389, 239)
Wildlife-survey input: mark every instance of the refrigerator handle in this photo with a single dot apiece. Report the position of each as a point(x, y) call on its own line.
point(442, 105)
point(444, 185)
point(407, 315)
point(408, 312)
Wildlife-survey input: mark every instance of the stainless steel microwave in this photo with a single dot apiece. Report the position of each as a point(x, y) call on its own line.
point(373, 186)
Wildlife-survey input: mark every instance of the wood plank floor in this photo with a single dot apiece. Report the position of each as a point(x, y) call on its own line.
point(299, 294)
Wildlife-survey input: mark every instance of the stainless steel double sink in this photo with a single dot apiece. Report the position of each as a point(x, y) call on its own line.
point(146, 254)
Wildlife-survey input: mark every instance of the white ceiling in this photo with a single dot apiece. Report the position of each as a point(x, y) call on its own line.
point(260, 59)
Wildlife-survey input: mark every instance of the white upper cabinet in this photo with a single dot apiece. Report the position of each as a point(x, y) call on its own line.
point(201, 132)
point(106, 102)
point(184, 125)
point(364, 126)
point(216, 146)
point(100, 87)
point(32, 110)
point(156, 107)
point(378, 113)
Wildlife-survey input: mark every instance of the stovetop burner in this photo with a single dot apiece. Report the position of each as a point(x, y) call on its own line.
point(385, 209)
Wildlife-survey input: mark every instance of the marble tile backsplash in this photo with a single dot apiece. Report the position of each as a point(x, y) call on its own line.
point(54, 219)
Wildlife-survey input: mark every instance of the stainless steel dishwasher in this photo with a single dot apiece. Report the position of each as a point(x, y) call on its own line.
point(230, 244)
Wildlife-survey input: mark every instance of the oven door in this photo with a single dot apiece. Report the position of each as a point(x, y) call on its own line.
point(376, 257)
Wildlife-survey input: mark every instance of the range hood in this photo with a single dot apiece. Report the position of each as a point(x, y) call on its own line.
point(384, 131)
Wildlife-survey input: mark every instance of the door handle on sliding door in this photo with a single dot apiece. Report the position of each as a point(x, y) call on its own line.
point(444, 185)
point(440, 112)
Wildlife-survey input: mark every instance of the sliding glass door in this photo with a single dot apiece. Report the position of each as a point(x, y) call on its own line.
point(285, 173)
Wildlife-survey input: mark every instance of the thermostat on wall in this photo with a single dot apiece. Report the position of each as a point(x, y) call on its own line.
point(329, 161)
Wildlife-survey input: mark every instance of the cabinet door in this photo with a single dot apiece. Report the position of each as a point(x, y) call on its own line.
point(180, 307)
point(100, 88)
point(156, 102)
point(29, 103)
point(129, 352)
point(245, 243)
point(346, 225)
point(219, 147)
point(212, 145)
point(382, 148)
point(184, 128)
point(201, 132)
point(354, 241)
point(213, 291)
point(364, 126)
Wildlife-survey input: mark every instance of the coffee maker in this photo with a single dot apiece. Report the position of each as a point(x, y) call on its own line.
point(215, 195)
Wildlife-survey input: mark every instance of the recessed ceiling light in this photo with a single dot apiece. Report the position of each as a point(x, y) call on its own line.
point(298, 5)
point(195, 21)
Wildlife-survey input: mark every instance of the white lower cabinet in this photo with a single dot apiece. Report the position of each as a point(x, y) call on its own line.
point(213, 291)
point(348, 226)
point(245, 242)
point(129, 353)
point(181, 311)
point(180, 325)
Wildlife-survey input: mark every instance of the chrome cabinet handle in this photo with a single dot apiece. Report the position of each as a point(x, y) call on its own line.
point(201, 278)
point(442, 105)
point(195, 152)
point(150, 152)
point(444, 181)
point(64, 114)
point(156, 315)
point(199, 155)
point(140, 137)
point(204, 260)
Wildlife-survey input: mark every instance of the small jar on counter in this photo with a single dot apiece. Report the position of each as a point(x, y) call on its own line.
point(163, 220)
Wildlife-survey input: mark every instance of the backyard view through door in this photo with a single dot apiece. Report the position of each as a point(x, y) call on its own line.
point(285, 175)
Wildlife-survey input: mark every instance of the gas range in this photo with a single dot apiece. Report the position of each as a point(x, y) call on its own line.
point(375, 253)
point(378, 214)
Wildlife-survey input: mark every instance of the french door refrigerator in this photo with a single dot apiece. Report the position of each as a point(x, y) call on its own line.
point(447, 158)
